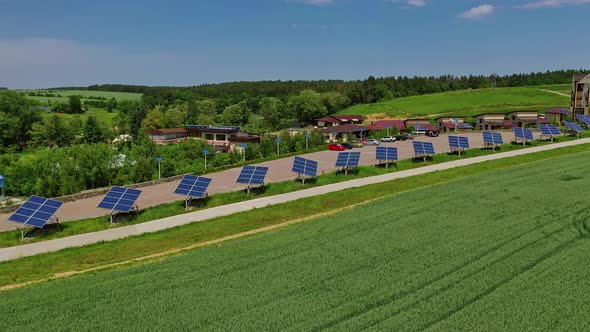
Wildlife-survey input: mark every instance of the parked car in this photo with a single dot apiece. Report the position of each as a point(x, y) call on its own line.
point(432, 133)
point(371, 142)
point(348, 145)
point(357, 144)
point(336, 147)
point(404, 137)
point(388, 139)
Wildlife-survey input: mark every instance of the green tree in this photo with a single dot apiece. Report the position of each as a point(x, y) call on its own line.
point(306, 106)
point(75, 105)
point(273, 111)
point(17, 116)
point(335, 102)
point(153, 119)
point(175, 116)
point(235, 115)
point(94, 132)
point(54, 130)
point(111, 104)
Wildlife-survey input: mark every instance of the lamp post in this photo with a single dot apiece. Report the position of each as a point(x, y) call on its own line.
point(362, 129)
point(2, 184)
point(307, 137)
point(278, 140)
point(244, 147)
point(388, 127)
point(335, 134)
point(159, 159)
point(205, 152)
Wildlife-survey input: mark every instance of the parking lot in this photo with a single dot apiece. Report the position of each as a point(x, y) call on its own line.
point(225, 181)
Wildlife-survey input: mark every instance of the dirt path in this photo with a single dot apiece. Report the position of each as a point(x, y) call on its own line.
point(555, 92)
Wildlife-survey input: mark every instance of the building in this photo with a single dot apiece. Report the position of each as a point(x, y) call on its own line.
point(524, 118)
point(387, 124)
point(556, 115)
point(492, 121)
point(580, 104)
point(342, 131)
point(421, 125)
point(221, 137)
point(168, 135)
point(339, 120)
point(453, 124)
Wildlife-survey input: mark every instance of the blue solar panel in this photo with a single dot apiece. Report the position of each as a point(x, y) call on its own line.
point(36, 211)
point(584, 118)
point(523, 133)
point(305, 166)
point(348, 159)
point(120, 199)
point(253, 175)
point(492, 138)
point(387, 153)
point(574, 127)
point(458, 142)
point(549, 130)
point(423, 148)
point(528, 134)
point(194, 186)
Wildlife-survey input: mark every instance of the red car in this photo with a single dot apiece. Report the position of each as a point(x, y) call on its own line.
point(336, 147)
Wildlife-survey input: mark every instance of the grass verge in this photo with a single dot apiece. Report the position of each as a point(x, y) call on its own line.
point(47, 265)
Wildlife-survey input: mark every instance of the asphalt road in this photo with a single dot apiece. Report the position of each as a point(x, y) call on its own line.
point(225, 181)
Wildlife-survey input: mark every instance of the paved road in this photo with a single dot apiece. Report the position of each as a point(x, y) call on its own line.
point(225, 181)
point(166, 223)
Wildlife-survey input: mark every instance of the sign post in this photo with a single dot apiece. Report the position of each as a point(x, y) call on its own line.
point(244, 147)
point(159, 159)
point(205, 152)
point(388, 127)
point(307, 137)
point(278, 140)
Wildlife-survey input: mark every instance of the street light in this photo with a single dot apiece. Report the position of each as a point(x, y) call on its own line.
point(2, 185)
point(278, 140)
point(307, 137)
point(335, 133)
point(362, 129)
point(205, 152)
point(388, 127)
point(159, 159)
point(244, 147)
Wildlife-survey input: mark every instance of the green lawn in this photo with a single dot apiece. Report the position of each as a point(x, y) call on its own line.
point(102, 115)
point(84, 93)
point(487, 248)
point(465, 103)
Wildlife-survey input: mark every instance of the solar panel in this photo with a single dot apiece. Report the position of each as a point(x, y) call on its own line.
point(584, 118)
point(348, 159)
point(305, 166)
point(458, 142)
point(523, 133)
point(120, 199)
point(253, 175)
point(549, 130)
point(387, 153)
point(423, 148)
point(492, 138)
point(528, 134)
point(194, 186)
point(574, 127)
point(36, 211)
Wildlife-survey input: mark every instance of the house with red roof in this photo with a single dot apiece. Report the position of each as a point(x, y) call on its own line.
point(387, 124)
point(453, 124)
point(339, 120)
point(556, 114)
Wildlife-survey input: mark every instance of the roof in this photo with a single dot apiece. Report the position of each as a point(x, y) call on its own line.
point(427, 127)
point(221, 129)
point(482, 114)
point(578, 78)
point(383, 124)
point(557, 111)
point(344, 129)
point(341, 118)
point(460, 125)
point(449, 117)
point(505, 123)
point(167, 131)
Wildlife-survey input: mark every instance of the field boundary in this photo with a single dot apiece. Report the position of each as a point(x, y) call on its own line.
point(11, 253)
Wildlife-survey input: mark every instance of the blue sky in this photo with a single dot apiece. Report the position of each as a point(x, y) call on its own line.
point(49, 43)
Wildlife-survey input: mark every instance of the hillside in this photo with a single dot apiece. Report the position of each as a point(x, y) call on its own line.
point(406, 262)
point(467, 102)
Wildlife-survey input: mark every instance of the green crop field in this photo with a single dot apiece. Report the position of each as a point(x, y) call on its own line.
point(493, 251)
point(466, 103)
point(84, 93)
point(100, 114)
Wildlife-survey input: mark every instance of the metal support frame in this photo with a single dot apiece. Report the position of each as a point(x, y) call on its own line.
point(189, 198)
point(114, 213)
point(24, 230)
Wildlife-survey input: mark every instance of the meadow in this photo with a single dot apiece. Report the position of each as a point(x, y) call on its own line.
point(450, 255)
point(85, 94)
point(466, 103)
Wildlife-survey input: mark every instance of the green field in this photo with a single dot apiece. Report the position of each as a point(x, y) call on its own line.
point(450, 256)
point(102, 115)
point(466, 103)
point(84, 93)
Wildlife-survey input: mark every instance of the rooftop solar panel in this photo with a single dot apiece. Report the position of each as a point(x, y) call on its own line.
point(574, 127)
point(253, 175)
point(120, 199)
point(387, 153)
point(36, 211)
point(348, 159)
point(194, 186)
point(305, 166)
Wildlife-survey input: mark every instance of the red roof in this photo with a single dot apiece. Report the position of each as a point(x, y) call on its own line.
point(344, 129)
point(382, 125)
point(341, 118)
point(427, 127)
point(458, 125)
point(557, 111)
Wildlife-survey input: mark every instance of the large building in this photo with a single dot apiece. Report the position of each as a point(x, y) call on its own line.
point(580, 95)
point(339, 120)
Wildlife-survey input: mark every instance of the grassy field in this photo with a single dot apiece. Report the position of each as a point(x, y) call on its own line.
point(465, 103)
point(102, 115)
point(445, 256)
point(84, 93)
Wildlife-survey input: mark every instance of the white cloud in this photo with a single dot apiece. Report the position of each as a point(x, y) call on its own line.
point(417, 3)
point(478, 13)
point(553, 3)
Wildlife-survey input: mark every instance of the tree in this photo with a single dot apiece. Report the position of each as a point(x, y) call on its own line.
point(111, 104)
point(17, 116)
point(94, 132)
point(335, 102)
point(153, 119)
point(203, 112)
point(273, 111)
point(75, 104)
point(175, 117)
point(235, 115)
point(54, 130)
point(306, 106)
